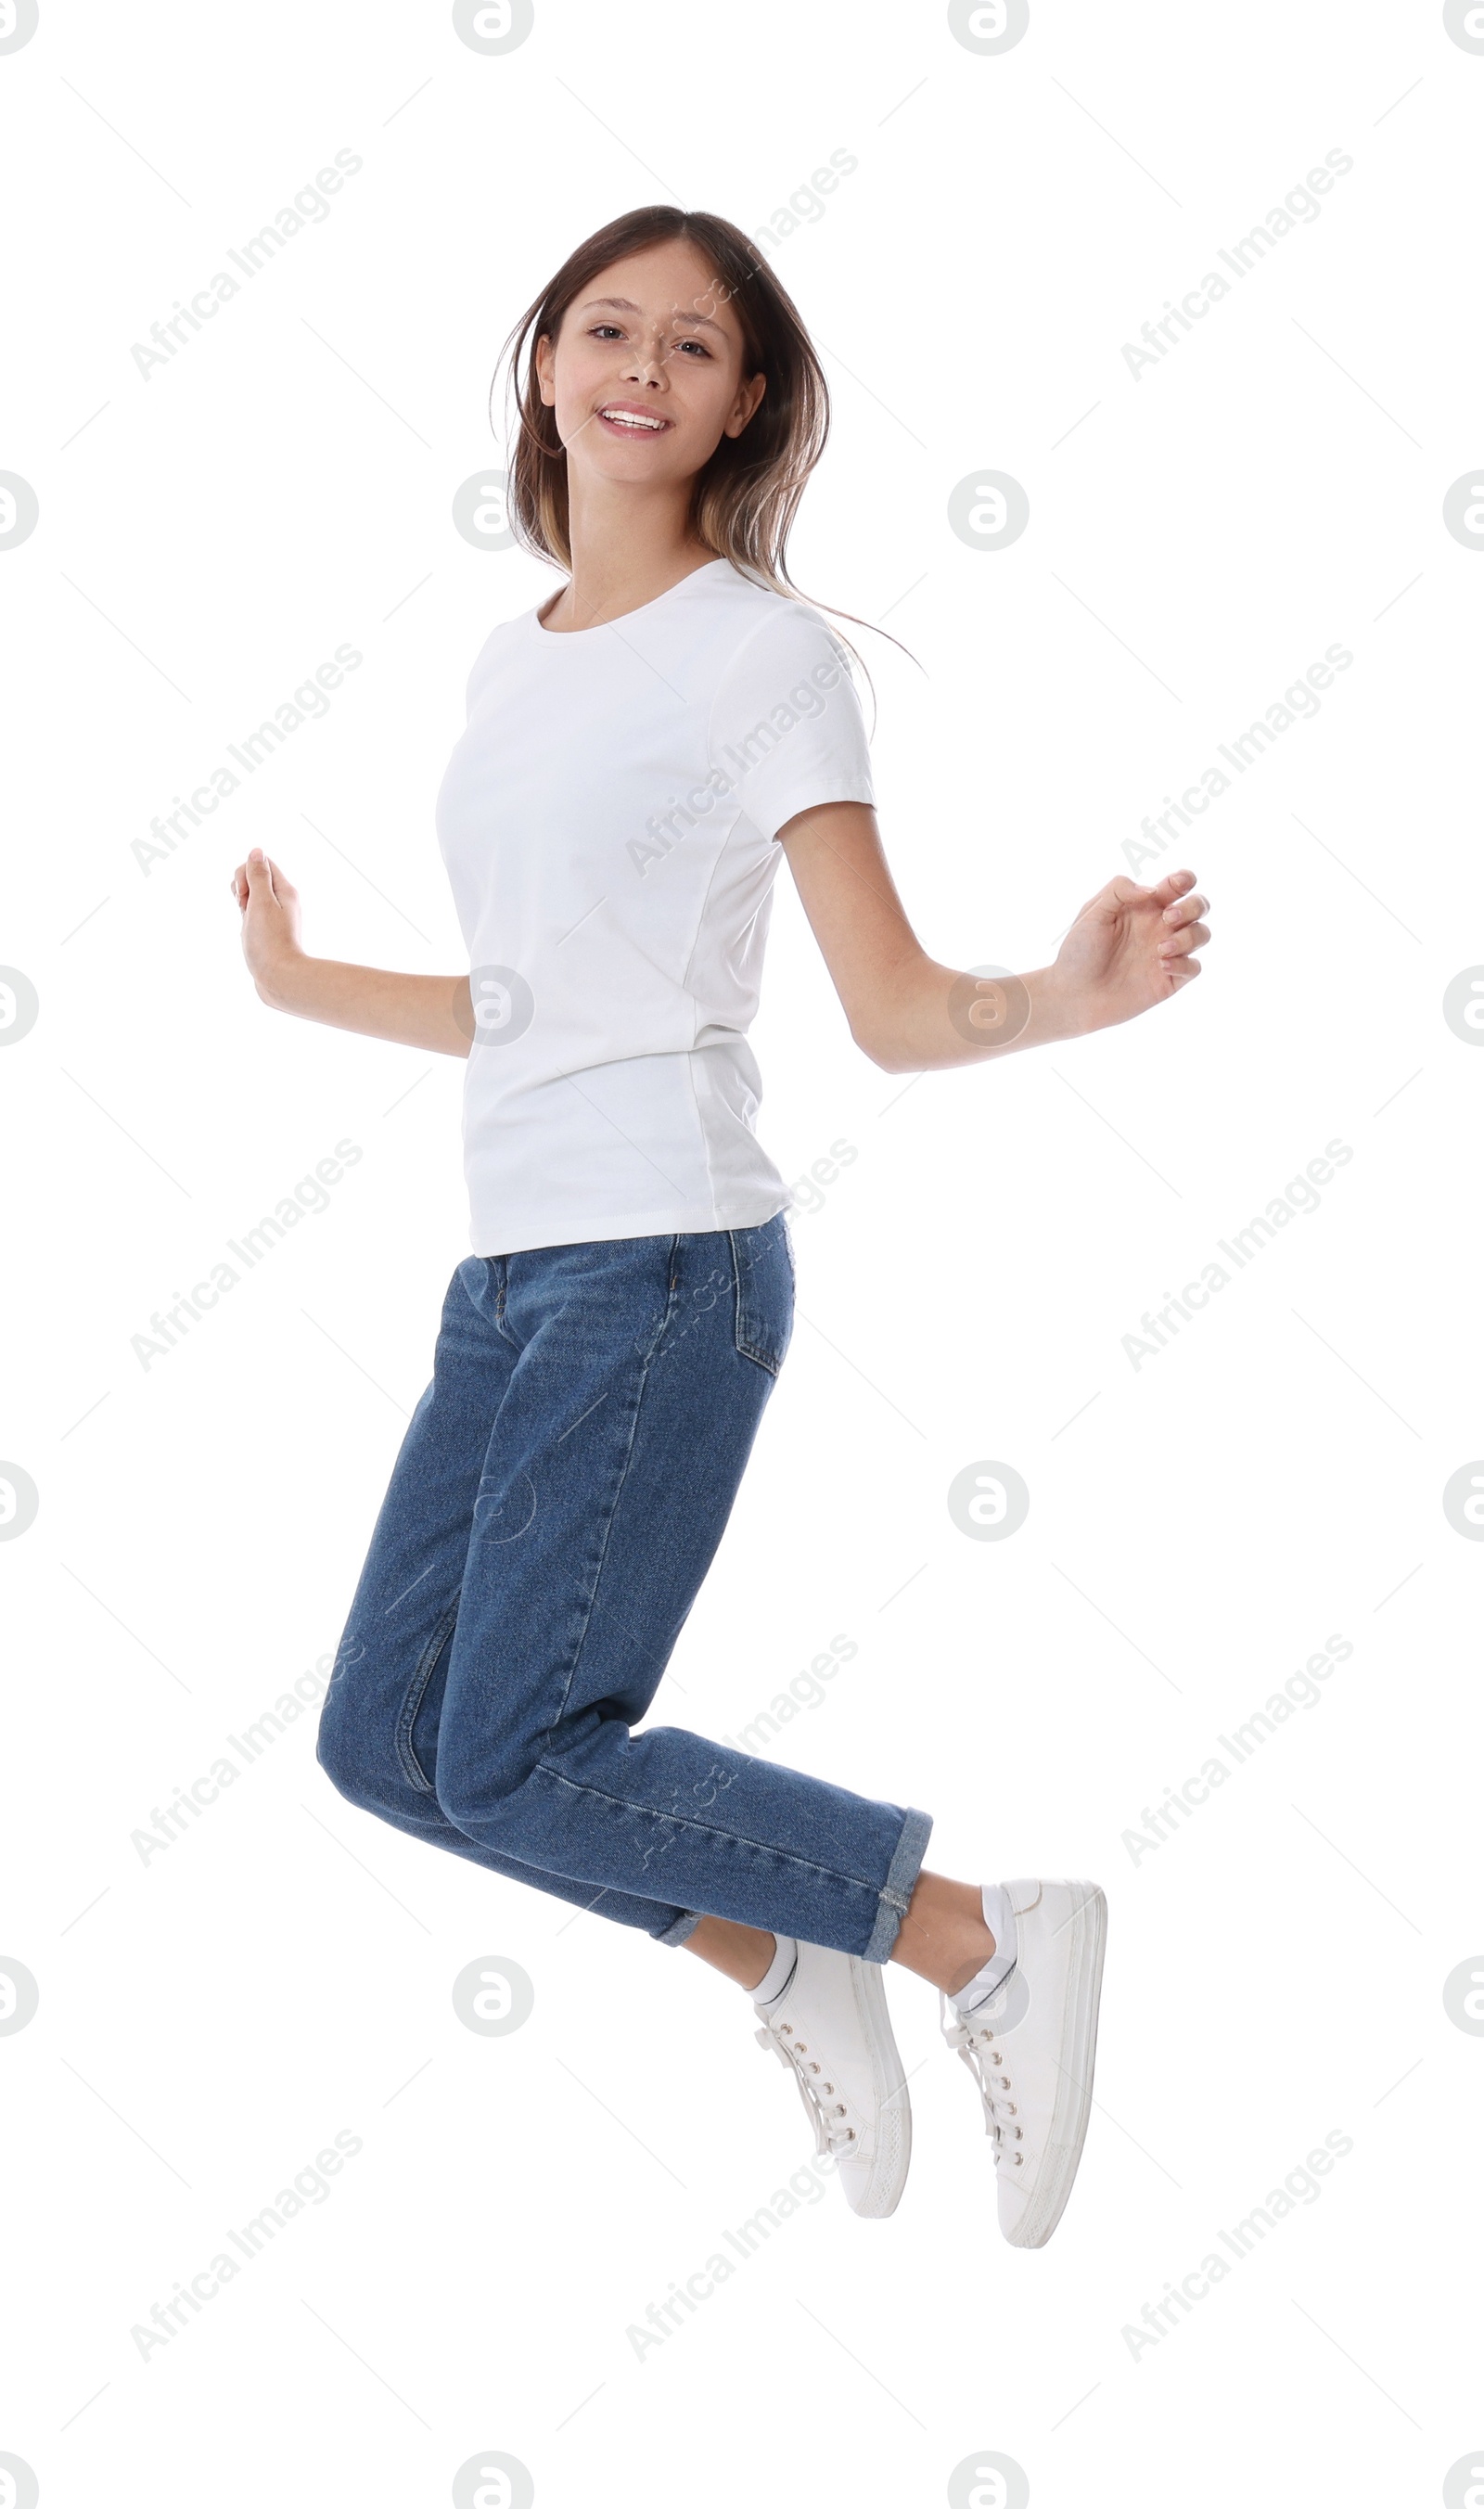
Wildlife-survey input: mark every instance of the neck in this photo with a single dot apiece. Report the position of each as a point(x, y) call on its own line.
point(628, 547)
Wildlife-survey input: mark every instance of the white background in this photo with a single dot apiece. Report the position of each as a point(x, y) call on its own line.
point(1199, 1524)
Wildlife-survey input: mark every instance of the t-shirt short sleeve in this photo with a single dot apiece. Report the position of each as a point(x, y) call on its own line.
point(785, 730)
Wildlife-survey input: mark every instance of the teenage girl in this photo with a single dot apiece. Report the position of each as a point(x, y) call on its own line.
point(640, 751)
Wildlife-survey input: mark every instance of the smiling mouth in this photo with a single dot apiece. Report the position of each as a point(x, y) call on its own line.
point(628, 422)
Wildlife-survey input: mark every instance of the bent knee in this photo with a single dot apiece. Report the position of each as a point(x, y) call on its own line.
point(361, 1763)
point(479, 1800)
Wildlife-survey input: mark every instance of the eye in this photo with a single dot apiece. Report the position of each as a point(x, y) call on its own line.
point(609, 328)
point(695, 344)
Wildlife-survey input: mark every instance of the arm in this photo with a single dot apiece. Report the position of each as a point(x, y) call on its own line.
point(1128, 948)
point(429, 1011)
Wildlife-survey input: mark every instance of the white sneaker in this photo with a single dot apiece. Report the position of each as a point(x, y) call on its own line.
point(1029, 2047)
point(831, 2029)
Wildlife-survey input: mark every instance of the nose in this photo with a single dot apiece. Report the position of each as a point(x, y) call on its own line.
point(648, 368)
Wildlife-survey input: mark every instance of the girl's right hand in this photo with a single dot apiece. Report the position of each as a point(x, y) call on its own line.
point(430, 1012)
point(271, 921)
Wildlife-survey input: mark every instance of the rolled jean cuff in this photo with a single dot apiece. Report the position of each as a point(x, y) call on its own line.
point(685, 1924)
point(899, 1885)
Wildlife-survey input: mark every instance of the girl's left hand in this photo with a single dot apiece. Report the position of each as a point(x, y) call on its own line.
point(1130, 948)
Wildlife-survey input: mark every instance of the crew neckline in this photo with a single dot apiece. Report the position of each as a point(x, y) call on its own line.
point(574, 635)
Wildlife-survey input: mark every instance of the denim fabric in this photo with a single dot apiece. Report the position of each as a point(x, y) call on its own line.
point(558, 1498)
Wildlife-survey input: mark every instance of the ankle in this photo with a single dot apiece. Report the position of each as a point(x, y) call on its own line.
point(742, 1952)
point(967, 1969)
point(943, 1935)
point(1003, 1935)
point(946, 1956)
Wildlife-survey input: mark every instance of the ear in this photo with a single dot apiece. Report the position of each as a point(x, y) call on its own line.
point(545, 363)
point(745, 405)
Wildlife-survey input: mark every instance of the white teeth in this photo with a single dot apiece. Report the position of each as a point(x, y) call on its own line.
point(631, 417)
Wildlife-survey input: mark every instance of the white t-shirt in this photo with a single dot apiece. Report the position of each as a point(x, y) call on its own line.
point(607, 821)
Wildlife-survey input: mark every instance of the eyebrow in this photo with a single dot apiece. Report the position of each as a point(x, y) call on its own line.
point(624, 305)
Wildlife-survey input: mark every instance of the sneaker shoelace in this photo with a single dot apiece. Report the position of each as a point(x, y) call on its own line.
point(973, 2038)
point(824, 2106)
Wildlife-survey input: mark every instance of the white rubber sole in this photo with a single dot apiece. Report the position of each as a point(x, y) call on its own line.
point(1088, 1926)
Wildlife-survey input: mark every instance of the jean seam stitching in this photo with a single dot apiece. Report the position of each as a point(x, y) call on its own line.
point(749, 1350)
point(708, 1829)
point(506, 1331)
point(673, 1285)
point(410, 1765)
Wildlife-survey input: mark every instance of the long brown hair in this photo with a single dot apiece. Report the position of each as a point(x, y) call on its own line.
point(745, 498)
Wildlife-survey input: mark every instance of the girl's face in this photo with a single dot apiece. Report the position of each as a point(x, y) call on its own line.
point(646, 375)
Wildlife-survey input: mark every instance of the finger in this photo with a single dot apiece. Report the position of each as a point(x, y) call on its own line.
point(1186, 909)
point(1194, 937)
point(261, 883)
point(1181, 970)
point(283, 886)
point(1173, 885)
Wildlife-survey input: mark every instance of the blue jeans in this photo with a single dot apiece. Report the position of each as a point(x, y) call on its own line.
point(558, 1498)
